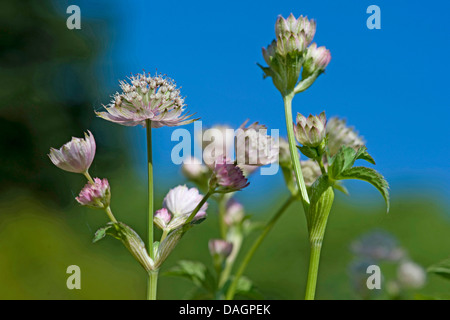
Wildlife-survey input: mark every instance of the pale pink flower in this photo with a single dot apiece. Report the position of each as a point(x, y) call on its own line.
point(97, 195)
point(227, 177)
point(234, 212)
point(254, 146)
point(147, 98)
point(179, 203)
point(220, 247)
point(76, 155)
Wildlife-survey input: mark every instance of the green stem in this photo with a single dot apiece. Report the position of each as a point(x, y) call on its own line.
point(88, 176)
point(322, 167)
point(222, 208)
point(152, 285)
point(313, 270)
point(153, 277)
point(164, 235)
point(294, 152)
point(150, 187)
point(198, 207)
point(255, 246)
point(110, 214)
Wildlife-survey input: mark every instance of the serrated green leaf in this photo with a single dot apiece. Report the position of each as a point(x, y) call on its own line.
point(442, 268)
point(364, 155)
point(101, 233)
point(245, 288)
point(308, 151)
point(369, 175)
point(343, 160)
point(194, 271)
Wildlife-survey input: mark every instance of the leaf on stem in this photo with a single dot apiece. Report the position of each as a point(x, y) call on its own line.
point(369, 175)
point(441, 268)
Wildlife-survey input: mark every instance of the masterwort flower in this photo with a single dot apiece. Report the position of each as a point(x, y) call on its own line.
point(220, 247)
point(147, 98)
point(96, 195)
point(311, 171)
point(340, 134)
point(76, 155)
point(310, 131)
point(227, 177)
point(178, 205)
point(254, 146)
point(216, 142)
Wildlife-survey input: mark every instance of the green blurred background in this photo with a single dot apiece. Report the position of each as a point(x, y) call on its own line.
point(48, 92)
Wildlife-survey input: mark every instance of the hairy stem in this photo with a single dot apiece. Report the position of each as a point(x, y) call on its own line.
point(232, 289)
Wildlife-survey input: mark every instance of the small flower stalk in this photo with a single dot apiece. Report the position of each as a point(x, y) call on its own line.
point(76, 155)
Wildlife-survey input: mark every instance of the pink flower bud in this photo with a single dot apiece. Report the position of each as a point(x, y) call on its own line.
point(162, 218)
point(220, 247)
point(76, 155)
point(310, 131)
point(317, 58)
point(227, 177)
point(234, 212)
point(97, 195)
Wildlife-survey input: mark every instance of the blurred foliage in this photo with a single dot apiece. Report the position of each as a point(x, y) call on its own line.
point(38, 243)
point(47, 94)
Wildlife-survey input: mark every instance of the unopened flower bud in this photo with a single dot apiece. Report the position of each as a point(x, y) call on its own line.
point(220, 248)
point(162, 218)
point(97, 195)
point(76, 155)
point(317, 59)
point(234, 212)
point(310, 131)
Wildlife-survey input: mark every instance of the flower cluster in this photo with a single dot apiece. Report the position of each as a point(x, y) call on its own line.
point(339, 134)
point(147, 98)
point(286, 55)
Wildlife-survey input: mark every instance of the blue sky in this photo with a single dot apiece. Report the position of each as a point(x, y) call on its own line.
point(391, 84)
